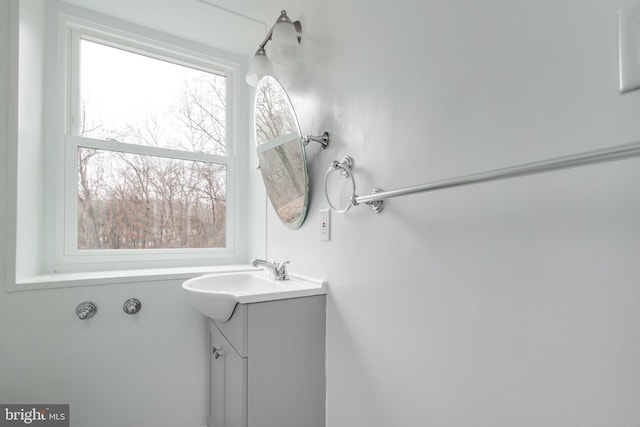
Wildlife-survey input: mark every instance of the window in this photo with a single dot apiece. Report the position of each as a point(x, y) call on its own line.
point(147, 158)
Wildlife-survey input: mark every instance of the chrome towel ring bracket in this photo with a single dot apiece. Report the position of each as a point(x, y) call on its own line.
point(344, 167)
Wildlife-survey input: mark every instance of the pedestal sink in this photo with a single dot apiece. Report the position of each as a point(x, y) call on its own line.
point(216, 295)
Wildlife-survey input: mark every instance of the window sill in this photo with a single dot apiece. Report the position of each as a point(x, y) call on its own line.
point(66, 280)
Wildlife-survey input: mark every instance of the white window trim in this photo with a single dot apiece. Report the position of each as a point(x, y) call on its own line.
point(87, 269)
point(68, 257)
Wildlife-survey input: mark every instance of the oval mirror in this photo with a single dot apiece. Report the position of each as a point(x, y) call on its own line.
point(281, 154)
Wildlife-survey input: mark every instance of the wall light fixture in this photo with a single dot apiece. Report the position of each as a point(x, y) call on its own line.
point(285, 37)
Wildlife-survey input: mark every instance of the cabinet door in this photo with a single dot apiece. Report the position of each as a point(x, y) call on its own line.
point(228, 404)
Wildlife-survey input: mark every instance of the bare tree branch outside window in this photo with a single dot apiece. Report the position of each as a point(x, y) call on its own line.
point(135, 201)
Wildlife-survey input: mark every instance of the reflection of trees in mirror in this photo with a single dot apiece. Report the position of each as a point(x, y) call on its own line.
point(134, 201)
point(284, 174)
point(273, 114)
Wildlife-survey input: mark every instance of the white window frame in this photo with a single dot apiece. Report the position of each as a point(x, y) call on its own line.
point(68, 258)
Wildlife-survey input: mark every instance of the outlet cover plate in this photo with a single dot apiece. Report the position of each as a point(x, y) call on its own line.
point(325, 225)
point(629, 47)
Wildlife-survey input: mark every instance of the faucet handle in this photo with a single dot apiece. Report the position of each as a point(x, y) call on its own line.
point(282, 270)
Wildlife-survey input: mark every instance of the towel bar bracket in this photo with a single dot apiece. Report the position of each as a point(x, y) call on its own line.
point(375, 206)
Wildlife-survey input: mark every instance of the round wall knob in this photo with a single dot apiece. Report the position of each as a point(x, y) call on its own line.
point(86, 310)
point(132, 306)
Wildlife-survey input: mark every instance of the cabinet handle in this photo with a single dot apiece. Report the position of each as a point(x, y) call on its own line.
point(217, 352)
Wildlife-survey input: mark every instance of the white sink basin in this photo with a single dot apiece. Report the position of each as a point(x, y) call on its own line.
point(216, 295)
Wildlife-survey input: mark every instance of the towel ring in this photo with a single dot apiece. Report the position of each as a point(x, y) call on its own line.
point(344, 167)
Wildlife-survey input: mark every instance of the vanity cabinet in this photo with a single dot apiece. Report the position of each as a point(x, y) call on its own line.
point(268, 365)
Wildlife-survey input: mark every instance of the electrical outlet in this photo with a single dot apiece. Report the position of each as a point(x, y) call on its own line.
point(325, 224)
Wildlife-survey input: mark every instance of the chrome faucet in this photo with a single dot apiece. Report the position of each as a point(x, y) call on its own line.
point(278, 271)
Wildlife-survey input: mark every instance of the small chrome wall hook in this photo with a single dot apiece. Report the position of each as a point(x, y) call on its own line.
point(132, 306)
point(86, 310)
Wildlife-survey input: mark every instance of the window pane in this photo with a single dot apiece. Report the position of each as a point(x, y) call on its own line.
point(142, 100)
point(132, 201)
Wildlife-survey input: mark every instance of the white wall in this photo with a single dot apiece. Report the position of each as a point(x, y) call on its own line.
point(31, 56)
point(115, 369)
point(503, 304)
point(511, 303)
point(4, 131)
